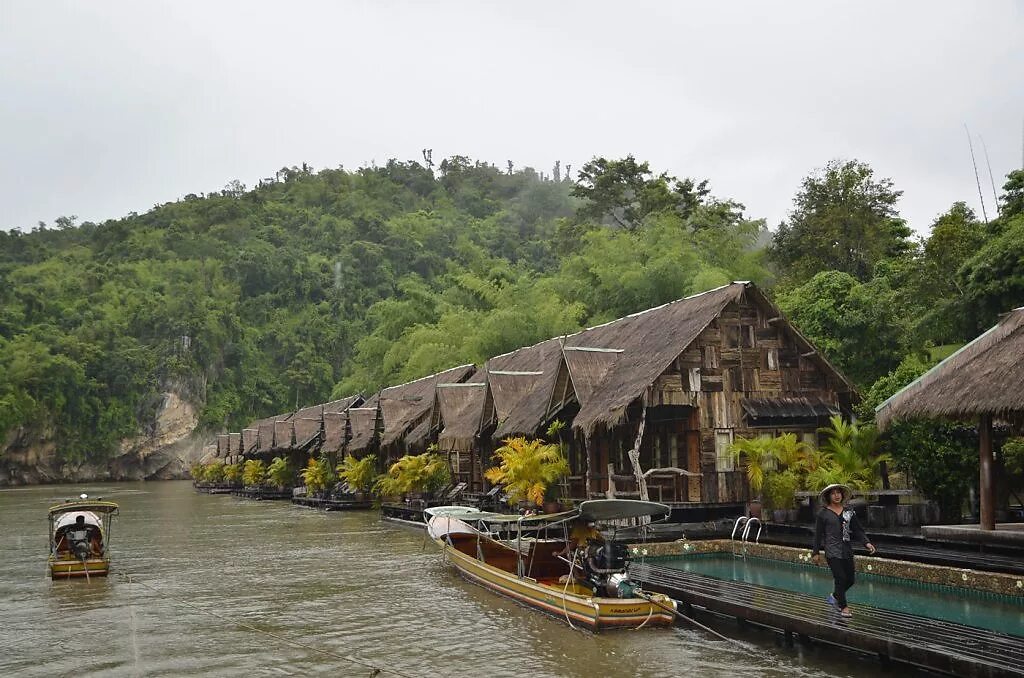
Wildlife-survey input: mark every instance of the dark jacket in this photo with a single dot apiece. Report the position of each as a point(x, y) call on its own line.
point(833, 533)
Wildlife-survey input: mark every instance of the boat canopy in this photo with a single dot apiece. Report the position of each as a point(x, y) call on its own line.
point(69, 519)
point(105, 507)
point(594, 510)
point(619, 509)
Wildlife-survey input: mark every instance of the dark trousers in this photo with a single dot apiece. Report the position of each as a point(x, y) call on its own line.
point(842, 575)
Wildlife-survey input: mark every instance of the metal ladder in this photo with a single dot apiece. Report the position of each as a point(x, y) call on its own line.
point(747, 523)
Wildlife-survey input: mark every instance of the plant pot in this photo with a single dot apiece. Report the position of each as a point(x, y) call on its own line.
point(552, 506)
point(754, 509)
point(779, 515)
point(792, 516)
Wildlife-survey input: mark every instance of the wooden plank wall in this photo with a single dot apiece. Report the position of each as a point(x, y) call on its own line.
point(742, 354)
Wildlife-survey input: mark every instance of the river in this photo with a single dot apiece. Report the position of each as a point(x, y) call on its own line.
point(344, 583)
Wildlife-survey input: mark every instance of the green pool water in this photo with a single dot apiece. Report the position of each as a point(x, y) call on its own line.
point(987, 612)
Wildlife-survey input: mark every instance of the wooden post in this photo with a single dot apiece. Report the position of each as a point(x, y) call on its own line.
point(986, 484)
point(586, 472)
point(634, 454)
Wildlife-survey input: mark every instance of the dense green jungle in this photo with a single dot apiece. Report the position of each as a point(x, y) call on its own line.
point(320, 284)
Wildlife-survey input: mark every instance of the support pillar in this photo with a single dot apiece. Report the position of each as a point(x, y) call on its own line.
point(986, 482)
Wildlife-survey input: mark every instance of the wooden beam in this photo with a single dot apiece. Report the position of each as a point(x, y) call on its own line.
point(986, 484)
point(808, 354)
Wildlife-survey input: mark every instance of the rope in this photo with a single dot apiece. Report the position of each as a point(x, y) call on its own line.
point(374, 670)
point(696, 623)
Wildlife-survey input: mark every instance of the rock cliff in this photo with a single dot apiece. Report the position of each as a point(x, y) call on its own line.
point(165, 451)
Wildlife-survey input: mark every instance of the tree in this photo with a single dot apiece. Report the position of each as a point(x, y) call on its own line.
point(843, 219)
point(856, 325)
point(626, 192)
point(1013, 195)
point(993, 279)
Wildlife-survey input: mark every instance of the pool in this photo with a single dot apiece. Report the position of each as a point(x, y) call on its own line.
point(987, 611)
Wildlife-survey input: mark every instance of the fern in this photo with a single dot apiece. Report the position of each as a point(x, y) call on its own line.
point(527, 469)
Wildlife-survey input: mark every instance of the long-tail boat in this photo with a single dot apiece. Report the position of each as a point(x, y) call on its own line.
point(79, 537)
point(520, 557)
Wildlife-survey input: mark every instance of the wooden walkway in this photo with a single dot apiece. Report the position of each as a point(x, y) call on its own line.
point(333, 504)
point(933, 644)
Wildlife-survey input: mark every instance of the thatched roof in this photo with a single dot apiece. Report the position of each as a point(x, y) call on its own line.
point(519, 385)
point(364, 425)
point(588, 367)
point(459, 408)
point(266, 434)
point(344, 403)
point(223, 445)
point(650, 341)
point(335, 421)
point(985, 377)
point(404, 406)
point(307, 431)
point(284, 435)
point(234, 444)
point(250, 438)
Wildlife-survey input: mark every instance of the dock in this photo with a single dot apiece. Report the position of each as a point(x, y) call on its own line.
point(935, 645)
point(333, 504)
point(262, 493)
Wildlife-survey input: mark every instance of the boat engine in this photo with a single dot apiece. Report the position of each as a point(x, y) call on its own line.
point(604, 567)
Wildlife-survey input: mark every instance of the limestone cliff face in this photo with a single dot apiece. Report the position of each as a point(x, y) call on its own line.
point(164, 451)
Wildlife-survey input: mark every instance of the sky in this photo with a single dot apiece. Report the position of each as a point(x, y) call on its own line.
point(113, 107)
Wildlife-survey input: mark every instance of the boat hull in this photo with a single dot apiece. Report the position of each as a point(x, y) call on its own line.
point(592, 612)
point(70, 569)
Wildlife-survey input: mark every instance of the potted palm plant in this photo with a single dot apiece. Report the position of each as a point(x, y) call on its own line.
point(233, 474)
point(414, 474)
point(528, 469)
point(359, 473)
point(317, 476)
point(254, 473)
point(214, 472)
point(279, 473)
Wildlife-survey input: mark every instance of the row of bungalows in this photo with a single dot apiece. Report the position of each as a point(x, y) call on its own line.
point(679, 382)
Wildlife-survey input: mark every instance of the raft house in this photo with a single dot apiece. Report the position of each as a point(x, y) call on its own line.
point(652, 403)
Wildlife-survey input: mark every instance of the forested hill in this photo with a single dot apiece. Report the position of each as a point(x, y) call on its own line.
point(333, 282)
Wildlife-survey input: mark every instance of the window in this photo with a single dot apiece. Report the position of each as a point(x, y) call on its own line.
point(723, 459)
point(673, 441)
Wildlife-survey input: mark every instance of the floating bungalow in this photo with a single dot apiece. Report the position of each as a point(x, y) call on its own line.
point(651, 404)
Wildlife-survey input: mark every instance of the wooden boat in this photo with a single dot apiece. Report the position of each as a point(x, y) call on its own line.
point(79, 536)
point(523, 565)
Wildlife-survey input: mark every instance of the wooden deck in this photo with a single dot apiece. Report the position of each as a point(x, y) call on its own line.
point(262, 493)
point(932, 644)
point(333, 504)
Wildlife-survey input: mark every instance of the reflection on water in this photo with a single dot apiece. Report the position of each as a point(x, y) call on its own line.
point(344, 582)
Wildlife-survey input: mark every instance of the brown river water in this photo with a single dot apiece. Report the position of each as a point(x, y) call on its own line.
point(344, 583)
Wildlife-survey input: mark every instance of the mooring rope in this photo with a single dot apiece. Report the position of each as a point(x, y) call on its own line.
point(648, 597)
point(374, 670)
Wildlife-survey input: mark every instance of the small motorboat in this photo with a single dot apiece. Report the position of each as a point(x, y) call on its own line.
point(79, 537)
point(518, 557)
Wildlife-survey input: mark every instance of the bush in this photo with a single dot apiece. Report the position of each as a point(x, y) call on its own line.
point(780, 490)
point(941, 462)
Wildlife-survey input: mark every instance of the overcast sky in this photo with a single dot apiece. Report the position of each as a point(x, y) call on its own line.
point(112, 107)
